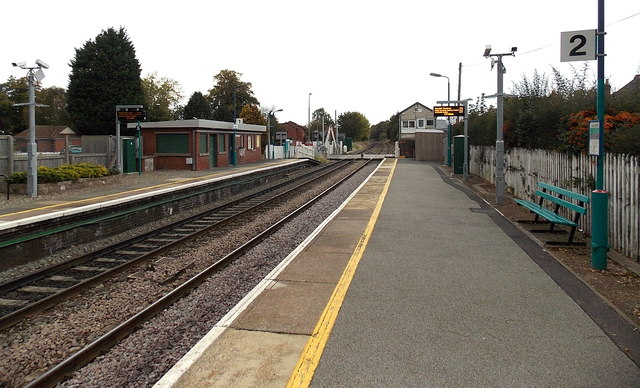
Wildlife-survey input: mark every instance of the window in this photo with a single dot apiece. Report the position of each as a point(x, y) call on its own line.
point(222, 144)
point(421, 123)
point(405, 124)
point(172, 143)
point(412, 123)
point(430, 123)
point(250, 142)
point(239, 141)
point(203, 143)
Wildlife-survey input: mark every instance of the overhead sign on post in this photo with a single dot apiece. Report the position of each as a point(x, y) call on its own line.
point(448, 111)
point(578, 45)
point(130, 114)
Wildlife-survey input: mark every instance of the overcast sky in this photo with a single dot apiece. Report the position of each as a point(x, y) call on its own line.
point(373, 56)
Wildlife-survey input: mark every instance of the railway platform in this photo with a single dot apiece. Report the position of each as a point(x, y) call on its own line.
point(416, 281)
point(20, 210)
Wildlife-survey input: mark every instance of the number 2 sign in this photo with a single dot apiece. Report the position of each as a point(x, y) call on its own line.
point(578, 46)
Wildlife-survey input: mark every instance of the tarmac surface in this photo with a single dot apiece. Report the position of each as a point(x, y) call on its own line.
point(416, 282)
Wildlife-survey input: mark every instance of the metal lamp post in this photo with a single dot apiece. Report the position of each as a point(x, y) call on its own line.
point(271, 112)
point(309, 118)
point(34, 74)
point(500, 122)
point(448, 119)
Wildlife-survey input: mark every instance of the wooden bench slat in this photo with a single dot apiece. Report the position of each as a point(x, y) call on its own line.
point(561, 198)
point(562, 202)
point(565, 192)
point(546, 213)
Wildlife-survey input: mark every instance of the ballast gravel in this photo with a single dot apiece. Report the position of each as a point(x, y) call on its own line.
point(143, 357)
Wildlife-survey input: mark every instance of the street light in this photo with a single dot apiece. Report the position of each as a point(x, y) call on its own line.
point(271, 112)
point(34, 74)
point(448, 118)
point(309, 119)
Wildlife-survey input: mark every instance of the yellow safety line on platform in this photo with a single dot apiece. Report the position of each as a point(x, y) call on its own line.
point(310, 357)
point(176, 183)
point(94, 198)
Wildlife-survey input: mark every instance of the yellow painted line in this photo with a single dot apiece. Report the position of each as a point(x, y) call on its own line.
point(176, 183)
point(310, 357)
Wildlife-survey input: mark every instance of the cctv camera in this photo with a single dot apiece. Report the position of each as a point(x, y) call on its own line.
point(41, 64)
point(487, 51)
point(514, 49)
point(19, 64)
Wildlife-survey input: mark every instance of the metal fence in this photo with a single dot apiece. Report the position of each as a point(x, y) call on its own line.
point(525, 168)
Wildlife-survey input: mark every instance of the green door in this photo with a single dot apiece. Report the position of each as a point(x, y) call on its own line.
point(128, 155)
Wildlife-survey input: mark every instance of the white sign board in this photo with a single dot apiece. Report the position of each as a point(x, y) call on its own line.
point(578, 46)
point(594, 137)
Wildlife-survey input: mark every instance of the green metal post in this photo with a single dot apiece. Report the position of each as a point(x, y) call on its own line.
point(449, 143)
point(600, 205)
point(139, 149)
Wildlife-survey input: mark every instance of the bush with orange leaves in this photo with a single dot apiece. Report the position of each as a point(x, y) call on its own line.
point(577, 133)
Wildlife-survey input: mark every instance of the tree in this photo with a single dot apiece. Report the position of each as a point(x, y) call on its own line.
point(251, 114)
point(229, 94)
point(315, 125)
point(394, 127)
point(198, 107)
point(379, 131)
point(104, 73)
point(13, 119)
point(161, 97)
point(354, 125)
point(56, 111)
point(321, 113)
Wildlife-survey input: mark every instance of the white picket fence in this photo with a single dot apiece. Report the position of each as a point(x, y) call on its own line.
point(524, 168)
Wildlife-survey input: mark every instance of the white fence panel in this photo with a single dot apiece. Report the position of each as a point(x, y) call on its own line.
point(524, 168)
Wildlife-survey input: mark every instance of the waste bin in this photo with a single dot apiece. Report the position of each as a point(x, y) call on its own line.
point(458, 154)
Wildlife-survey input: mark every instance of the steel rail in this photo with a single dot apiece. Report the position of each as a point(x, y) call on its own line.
point(56, 374)
point(16, 316)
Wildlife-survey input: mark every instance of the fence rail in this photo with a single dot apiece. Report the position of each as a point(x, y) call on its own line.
point(524, 168)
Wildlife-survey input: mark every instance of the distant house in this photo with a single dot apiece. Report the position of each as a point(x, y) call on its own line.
point(295, 132)
point(415, 119)
point(629, 90)
point(49, 138)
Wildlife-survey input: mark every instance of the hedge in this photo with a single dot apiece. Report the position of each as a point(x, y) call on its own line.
point(66, 172)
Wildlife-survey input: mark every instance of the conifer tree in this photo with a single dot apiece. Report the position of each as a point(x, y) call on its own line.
point(104, 73)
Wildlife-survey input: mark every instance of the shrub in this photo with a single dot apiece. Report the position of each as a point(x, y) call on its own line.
point(66, 172)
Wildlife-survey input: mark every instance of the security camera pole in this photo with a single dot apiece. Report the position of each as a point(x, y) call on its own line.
point(500, 122)
point(32, 147)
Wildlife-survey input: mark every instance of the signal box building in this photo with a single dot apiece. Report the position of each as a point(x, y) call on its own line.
point(419, 137)
point(198, 144)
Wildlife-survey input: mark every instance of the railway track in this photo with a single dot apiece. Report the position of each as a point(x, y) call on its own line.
point(55, 374)
point(41, 290)
point(376, 148)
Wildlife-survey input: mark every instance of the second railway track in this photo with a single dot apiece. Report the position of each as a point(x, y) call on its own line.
point(43, 289)
point(132, 309)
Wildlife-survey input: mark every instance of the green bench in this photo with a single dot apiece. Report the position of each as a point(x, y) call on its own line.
point(559, 198)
